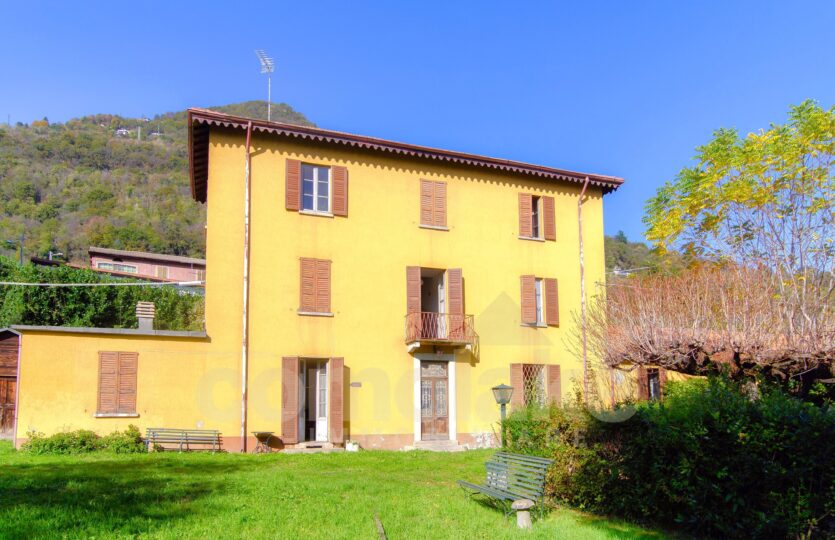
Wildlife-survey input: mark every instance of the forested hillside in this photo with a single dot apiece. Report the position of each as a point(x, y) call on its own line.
point(105, 180)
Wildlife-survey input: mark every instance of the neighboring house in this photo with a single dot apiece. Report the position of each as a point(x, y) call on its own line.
point(142, 264)
point(360, 289)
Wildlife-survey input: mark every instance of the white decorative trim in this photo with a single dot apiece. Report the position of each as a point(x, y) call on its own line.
point(416, 377)
point(314, 213)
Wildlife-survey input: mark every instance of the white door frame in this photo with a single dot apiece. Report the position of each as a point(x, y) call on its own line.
point(451, 391)
point(322, 417)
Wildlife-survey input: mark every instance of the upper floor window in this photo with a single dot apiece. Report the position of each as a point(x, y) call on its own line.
point(117, 267)
point(433, 204)
point(316, 188)
point(540, 301)
point(537, 220)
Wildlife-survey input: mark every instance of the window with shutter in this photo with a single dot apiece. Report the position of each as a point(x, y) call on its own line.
point(315, 287)
point(117, 383)
point(433, 204)
point(528, 299)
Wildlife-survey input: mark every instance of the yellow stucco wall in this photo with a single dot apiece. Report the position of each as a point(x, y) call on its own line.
point(370, 250)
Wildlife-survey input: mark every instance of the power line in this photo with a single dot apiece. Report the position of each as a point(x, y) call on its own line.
point(127, 284)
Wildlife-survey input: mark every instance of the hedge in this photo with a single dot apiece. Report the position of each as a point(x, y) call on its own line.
point(709, 460)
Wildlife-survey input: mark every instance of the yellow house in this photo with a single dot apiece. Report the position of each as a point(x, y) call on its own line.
point(356, 289)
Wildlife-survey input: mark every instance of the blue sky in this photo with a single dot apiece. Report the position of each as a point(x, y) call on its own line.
point(622, 88)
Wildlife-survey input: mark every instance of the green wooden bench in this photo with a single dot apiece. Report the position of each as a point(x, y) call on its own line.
point(511, 477)
point(183, 438)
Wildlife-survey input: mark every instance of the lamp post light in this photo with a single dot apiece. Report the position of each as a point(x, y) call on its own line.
point(502, 394)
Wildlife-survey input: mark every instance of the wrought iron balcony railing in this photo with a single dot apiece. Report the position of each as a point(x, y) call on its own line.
point(440, 328)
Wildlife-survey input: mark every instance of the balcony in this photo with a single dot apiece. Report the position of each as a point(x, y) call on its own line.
point(451, 330)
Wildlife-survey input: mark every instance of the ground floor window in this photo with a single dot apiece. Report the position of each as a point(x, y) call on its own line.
point(654, 383)
point(533, 381)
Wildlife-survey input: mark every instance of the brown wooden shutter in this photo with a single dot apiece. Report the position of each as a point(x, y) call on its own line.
point(293, 184)
point(290, 399)
point(554, 384)
point(549, 223)
point(427, 194)
point(662, 379)
point(455, 291)
point(323, 286)
point(307, 285)
point(528, 299)
point(339, 175)
point(127, 382)
point(337, 401)
point(439, 204)
point(517, 399)
point(525, 212)
point(108, 382)
point(643, 383)
point(413, 289)
point(552, 302)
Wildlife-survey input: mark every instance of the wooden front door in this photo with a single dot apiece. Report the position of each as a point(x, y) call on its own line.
point(8, 389)
point(434, 401)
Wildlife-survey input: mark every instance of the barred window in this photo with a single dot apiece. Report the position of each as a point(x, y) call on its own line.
point(533, 380)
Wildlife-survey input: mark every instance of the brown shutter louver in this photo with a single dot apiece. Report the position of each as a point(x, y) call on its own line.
point(643, 383)
point(339, 175)
point(549, 223)
point(525, 213)
point(517, 399)
point(413, 289)
point(426, 202)
point(307, 285)
point(127, 382)
point(528, 299)
point(439, 204)
point(293, 184)
point(455, 304)
point(290, 399)
point(552, 302)
point(117, 382)
point(662, 379)
point(323, 286)
point(108, 382)
point(337, 401)
point(554, 384)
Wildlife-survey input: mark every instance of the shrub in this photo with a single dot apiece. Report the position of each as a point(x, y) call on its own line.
point(67, 442)
point(708, 459)
point(83, 441)
point(124, 442)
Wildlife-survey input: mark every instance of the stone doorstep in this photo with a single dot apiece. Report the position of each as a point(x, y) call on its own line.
point(438, 446)
point(312, 450)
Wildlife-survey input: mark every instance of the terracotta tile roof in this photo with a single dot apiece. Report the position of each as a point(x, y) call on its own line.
point(202, 120)
point(147, 255)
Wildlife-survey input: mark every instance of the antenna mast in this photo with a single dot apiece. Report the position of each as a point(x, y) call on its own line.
point(267, 66)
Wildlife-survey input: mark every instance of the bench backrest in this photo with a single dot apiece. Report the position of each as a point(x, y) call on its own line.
point(184, 434)
point(518, 474)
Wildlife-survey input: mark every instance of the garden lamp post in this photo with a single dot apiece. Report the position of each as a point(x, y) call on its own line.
point(502, 395)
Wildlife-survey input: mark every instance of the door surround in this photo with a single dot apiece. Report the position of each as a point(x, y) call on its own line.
point(451, 391)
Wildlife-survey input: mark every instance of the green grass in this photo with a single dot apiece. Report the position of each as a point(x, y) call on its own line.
point(171, 495)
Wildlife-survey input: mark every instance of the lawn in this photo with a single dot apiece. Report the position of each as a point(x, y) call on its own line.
point(171, 495)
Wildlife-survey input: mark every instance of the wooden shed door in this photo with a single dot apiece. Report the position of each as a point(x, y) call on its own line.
point(8, 389)
point(434, 401)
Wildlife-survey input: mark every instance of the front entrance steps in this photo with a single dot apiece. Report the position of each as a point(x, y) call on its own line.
point(310, 447)
point(439, 446)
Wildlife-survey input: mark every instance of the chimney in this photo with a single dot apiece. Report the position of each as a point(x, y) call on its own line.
point(145, 315)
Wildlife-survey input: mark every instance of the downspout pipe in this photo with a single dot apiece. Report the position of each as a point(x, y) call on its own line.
point(583, 316)
point(245, 332)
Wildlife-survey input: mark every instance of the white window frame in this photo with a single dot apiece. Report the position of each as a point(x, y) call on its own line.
point(536, 216)
point(316, 169)
point(540, 304)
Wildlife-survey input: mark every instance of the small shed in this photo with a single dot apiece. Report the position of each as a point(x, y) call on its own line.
point(9, 355)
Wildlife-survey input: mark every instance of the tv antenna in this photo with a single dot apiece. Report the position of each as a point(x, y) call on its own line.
point(267, 66)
